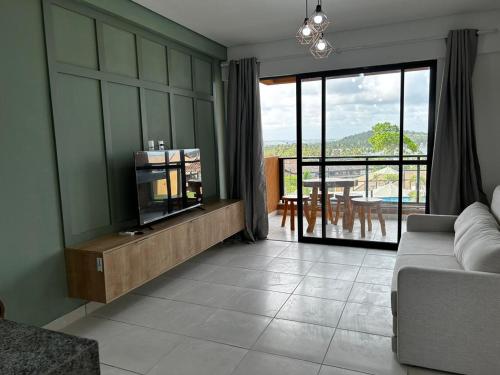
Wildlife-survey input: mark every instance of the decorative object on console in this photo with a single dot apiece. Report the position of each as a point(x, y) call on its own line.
point(151, 145)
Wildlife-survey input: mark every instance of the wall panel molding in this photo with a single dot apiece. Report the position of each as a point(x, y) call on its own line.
point(148, 88)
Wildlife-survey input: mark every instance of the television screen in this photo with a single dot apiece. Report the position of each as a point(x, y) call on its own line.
point(167, 182)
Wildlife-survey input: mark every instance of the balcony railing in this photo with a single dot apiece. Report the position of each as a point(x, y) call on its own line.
point(373, 180)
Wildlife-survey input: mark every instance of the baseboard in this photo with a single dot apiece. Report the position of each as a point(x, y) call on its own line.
point(91, 306)
point(71, 317)
point(65, 320)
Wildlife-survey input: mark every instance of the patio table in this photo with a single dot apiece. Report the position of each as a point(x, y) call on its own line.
point(330, 182)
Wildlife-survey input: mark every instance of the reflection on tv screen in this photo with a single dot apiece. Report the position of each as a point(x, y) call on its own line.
point(167, 182)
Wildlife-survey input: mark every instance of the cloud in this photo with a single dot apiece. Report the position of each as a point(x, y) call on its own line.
point(353, 105)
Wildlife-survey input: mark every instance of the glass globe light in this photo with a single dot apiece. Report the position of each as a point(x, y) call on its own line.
point(320, 20)
point(306, 32)
point(321, 48)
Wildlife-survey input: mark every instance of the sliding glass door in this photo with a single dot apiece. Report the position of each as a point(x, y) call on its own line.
point(364, 138)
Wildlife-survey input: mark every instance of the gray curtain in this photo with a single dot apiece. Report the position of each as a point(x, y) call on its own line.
point(246, 178)
point(456, 176)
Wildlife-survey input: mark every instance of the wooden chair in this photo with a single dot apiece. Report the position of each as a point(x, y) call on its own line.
point(329, 208)
point(339, 198)
point(290, 202)
point(364, 206)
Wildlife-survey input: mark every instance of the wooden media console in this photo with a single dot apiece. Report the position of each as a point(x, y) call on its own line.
point(108, 267)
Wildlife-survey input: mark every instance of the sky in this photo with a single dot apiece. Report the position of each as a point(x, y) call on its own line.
point(353, 105)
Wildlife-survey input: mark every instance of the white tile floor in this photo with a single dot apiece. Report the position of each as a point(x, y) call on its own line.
point(271, 308)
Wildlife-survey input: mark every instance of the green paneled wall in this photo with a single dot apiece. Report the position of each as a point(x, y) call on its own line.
point(205, 131)
point(154, 61)
point(125, 130)
point(69, 166)
point(119, 51)
point(158, 116)
point(203, 76)
point(81, 149)
point(136, 87)
point(181, 75)
point(72, 29)
point(183, 131)
point(32, 274)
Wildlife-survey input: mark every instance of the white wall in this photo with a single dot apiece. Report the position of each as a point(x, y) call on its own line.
point(487, 115)
point(404, 42)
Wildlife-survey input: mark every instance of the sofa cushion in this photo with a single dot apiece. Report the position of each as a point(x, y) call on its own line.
point(478, 249)
point(476, 211)
point(427, 261)
point(426, 243)
point(495, 204)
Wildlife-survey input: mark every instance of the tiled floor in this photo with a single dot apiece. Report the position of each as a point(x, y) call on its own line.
point(279, 233)
point(271, 308)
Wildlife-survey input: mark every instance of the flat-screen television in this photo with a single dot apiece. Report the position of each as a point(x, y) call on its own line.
point(167, 182)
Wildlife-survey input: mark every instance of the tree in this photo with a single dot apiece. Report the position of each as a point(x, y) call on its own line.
point(385, 138)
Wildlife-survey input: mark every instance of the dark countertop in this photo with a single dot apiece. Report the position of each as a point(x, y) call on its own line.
point(31, 350)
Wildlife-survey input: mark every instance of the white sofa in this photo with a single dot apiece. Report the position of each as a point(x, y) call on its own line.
point(446, 291)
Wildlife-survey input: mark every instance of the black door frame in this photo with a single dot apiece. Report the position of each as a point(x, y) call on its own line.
point(400, 162)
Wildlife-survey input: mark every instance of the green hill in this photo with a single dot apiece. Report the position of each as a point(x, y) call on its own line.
point(357, 144)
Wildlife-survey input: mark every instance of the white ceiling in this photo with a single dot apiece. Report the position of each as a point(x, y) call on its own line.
point(237, 22)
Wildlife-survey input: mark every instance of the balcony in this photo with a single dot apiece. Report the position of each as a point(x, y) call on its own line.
point(377, 181)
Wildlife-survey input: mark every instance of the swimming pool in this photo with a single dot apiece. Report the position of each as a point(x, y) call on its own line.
point(395, 199)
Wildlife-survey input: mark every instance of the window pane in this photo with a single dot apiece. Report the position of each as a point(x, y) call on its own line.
point(278, 103)
point(416, 112)
point(362, 115)
point(414, 188)
point(290, 176)
point(311, 192)
point(380, 183)
point(311, 119)
point(414, 191)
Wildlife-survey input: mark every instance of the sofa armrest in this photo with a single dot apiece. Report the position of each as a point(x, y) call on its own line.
point(449, 320)
point(430, 223)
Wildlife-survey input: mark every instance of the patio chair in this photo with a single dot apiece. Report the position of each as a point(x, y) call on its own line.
point(290, 202)
point(339, 199)
point(364, 206)
point(329, 208)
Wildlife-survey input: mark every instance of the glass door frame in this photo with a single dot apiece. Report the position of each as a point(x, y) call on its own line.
point(322, 163)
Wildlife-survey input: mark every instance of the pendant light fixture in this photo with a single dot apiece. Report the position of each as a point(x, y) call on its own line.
point(319, 18)
point(306, 33)
point(311, 32)
point(321, 48)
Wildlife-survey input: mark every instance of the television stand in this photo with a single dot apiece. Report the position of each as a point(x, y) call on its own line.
point(110, 266)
